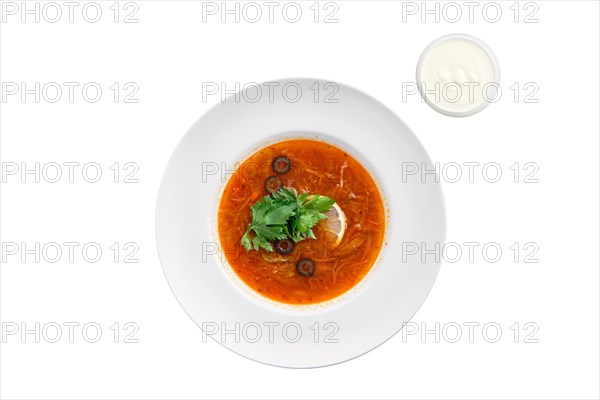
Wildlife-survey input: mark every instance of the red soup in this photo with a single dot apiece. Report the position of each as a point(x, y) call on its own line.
point(270, 200)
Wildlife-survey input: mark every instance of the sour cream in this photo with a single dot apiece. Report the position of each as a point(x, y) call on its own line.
point(458, 75)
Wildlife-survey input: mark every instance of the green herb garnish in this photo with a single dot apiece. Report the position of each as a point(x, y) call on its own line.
point(285, 215)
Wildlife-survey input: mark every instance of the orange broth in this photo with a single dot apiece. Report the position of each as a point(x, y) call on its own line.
point(319, 168)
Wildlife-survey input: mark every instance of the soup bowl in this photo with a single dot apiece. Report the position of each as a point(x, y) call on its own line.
point(271, 332)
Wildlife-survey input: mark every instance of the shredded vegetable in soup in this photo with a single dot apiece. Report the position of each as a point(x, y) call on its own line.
point(301, 221)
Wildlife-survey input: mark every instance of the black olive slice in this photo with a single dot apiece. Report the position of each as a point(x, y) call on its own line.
point(281, 165)
point(273, 184)
point(305, 267)
point(285, 246)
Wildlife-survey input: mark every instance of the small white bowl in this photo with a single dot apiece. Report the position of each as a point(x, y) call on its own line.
point(488, 51)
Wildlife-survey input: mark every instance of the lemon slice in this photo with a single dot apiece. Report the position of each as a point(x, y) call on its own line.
point(335, 223)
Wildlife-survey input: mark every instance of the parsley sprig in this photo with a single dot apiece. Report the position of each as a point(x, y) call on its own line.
point(285, 215)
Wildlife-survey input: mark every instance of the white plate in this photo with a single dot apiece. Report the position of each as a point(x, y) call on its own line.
point(263, 330)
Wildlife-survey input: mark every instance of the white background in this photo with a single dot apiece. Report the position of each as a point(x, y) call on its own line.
point(169, 53)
